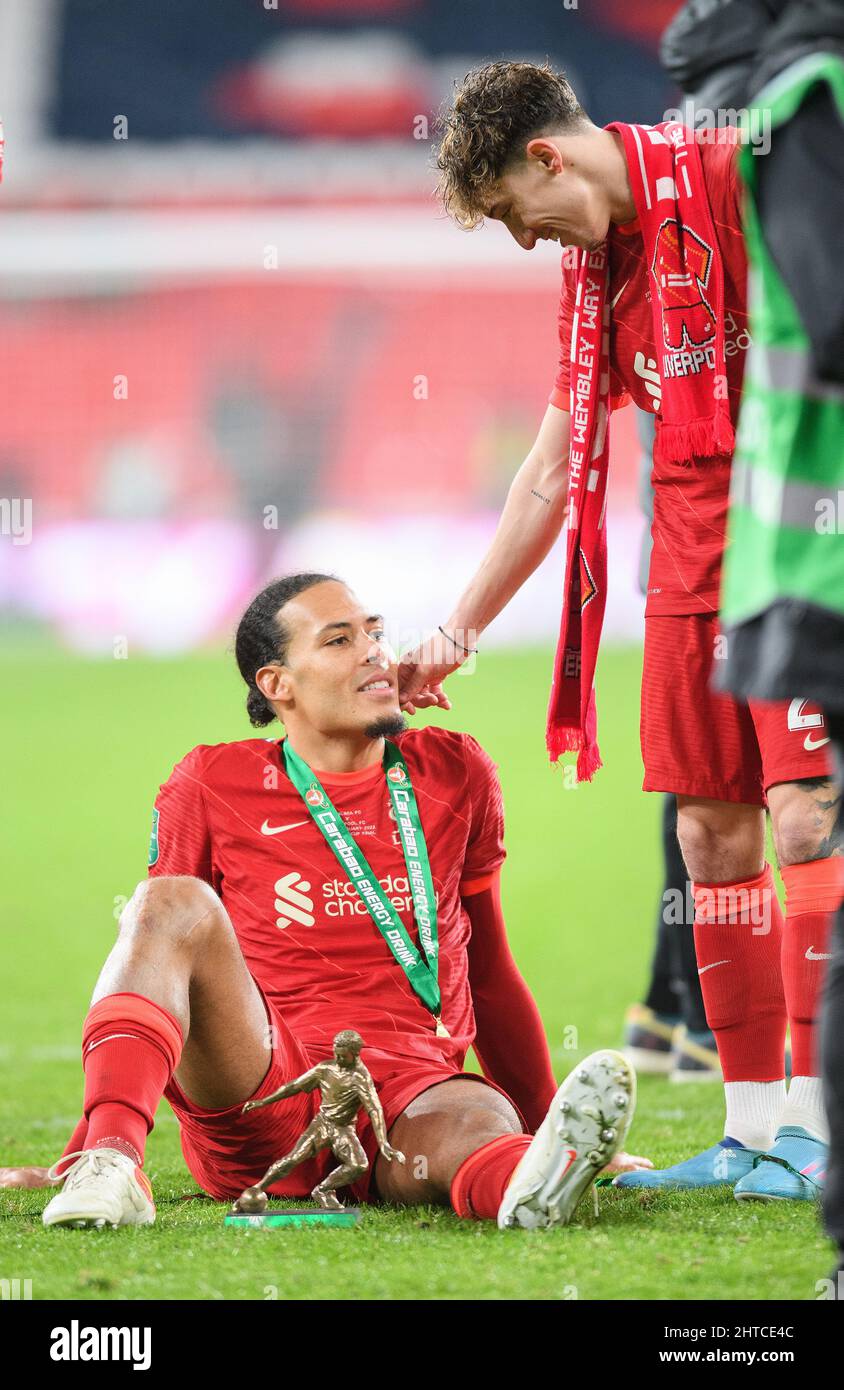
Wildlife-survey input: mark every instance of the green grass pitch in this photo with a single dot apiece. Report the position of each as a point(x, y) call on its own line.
point(87, 745)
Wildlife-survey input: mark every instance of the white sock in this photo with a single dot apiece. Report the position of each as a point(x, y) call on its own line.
point(753, 1111)
point(804, 1106)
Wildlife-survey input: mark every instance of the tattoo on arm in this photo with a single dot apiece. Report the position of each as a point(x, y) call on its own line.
point(546, 500)
point(825, 815)
point(829, 848)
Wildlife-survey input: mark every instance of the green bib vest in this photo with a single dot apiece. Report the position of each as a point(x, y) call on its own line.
point(785, 534)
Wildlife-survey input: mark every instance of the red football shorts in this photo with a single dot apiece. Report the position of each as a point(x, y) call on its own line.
point(697, 742)
point(226, 1151)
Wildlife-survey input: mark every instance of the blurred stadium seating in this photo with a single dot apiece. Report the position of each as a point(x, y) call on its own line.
point(237, 333)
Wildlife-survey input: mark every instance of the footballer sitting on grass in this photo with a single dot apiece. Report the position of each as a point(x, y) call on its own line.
point(262, 931)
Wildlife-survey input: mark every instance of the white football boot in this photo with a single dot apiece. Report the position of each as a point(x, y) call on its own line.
point(102, 1188)
point(586, 1125)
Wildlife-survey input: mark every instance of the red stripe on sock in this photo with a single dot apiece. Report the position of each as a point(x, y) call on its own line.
point(816, 886)
point(812, 895)
point(738, 937)
point(130, 1049)
point(74, 1143)
point(480, 1182)
point(116, 1013)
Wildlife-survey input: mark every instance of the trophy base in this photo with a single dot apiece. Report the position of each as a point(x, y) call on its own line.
point(306, 1216)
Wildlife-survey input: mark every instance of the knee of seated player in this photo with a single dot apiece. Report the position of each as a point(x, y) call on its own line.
point(179, 911)
point(803, 820)
point(436, 1133)
point(721, 841)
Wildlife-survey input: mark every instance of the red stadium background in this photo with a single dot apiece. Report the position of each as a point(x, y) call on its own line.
point(237, 332)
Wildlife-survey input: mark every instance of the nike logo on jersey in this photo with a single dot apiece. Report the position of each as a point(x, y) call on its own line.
point(812, 954)
point(703, 969)
point(810, 743)
point(613, 302)
point(267, 829)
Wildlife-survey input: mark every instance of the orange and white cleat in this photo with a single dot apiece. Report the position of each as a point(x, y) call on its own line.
point(102, 1188)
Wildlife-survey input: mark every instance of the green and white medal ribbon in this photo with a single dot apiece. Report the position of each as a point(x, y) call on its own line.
point(421, 970)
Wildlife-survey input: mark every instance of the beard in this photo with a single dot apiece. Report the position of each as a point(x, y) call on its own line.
point(387, 726)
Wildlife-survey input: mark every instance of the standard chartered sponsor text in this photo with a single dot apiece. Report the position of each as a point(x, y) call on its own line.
point(340, 899)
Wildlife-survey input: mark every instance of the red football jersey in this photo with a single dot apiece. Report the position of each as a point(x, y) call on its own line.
point(690, 500)
point(230, 815)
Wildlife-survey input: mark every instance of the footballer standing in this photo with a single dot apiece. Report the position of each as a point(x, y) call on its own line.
point(653, 310)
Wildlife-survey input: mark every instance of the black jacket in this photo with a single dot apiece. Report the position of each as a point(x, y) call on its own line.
point(710, 48)
point(721, 53)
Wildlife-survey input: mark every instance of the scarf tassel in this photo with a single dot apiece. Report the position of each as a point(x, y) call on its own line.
point(560, 741)
point(694, 439)
point(567, 738)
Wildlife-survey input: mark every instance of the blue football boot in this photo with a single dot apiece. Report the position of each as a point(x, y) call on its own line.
point(793, 1170)
point(720, 1166)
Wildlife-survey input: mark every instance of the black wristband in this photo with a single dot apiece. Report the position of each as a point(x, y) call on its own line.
point(469, 651)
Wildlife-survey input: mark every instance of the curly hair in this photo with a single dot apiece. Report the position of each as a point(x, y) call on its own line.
point(497, 109)
point(350, 1040)
point(263, 637)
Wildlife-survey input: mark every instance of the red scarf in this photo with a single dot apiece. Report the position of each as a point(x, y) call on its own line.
point(687, 301)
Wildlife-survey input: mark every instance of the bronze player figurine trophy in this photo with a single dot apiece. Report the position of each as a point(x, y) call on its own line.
point(347, 1088)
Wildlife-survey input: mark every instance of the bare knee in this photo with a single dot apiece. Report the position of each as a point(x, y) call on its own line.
point(803, 820)
point(720, 840)
point(436, 1133)
point(179, 911)
point(479, 1119)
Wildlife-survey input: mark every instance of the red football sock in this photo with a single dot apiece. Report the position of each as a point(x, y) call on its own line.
point(130, 1049)
point(813, 892)
point(738, 934)
point(478, 1186)
point(76, 1142)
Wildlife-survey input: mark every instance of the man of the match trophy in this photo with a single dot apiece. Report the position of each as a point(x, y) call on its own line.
point(346, 1088)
